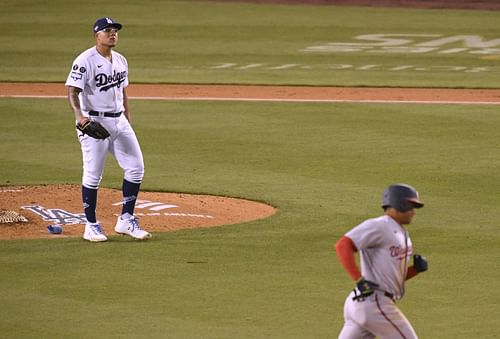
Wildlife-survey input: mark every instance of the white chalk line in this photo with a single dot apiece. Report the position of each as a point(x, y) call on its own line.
point(369, 101)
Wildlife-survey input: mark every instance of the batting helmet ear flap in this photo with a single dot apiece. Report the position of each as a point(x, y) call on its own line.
point(402, 197)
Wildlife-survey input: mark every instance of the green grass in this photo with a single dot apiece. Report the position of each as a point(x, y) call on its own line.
point(183, 42)
point(323, 165)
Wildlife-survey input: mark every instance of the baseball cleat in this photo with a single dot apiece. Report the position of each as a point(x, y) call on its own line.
point(129, 225)
point(93, 233)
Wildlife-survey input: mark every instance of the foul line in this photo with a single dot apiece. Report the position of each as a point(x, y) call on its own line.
point(369, 101)
point(373, 101)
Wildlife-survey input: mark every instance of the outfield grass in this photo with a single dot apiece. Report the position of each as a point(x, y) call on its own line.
point(189, 41)
point(323, 165)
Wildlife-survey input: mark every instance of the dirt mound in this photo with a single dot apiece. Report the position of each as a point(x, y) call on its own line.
point(158, 212)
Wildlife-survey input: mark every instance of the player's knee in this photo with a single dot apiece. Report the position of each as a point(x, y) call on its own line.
point(135, 175)
point(91, 180)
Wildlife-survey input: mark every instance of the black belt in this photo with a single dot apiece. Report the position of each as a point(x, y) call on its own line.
point(360, 297)
point(389, 295)
point(105, 114)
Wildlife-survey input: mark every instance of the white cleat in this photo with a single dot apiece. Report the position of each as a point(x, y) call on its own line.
point(93, 233)
point(129, 225)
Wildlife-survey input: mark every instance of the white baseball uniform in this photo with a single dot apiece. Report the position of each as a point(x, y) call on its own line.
point(385, 250)
point(101, 99)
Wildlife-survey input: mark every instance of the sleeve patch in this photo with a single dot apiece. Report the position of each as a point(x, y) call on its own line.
point(76, 76)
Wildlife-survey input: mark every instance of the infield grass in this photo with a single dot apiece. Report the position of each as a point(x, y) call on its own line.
point(323, 165)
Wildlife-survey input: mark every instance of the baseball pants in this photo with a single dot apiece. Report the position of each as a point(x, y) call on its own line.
point(122, 144)
point(376, 316)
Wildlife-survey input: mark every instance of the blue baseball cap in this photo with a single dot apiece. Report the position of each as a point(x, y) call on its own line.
point(103, 23)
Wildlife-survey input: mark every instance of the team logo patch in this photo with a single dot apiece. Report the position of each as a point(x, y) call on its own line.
point(76, 76)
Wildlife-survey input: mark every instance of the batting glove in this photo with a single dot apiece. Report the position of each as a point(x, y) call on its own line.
point(420, 263)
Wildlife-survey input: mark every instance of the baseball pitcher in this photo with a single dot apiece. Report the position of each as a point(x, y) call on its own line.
point(97, 96)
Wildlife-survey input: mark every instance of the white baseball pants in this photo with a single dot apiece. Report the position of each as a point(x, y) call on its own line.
point(122, 144)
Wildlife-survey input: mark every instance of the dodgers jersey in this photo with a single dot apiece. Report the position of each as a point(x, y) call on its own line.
point(100, 80)
point(385, 248)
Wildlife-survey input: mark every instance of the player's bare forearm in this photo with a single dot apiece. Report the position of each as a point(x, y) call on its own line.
point(125, 106)
point(74, 102)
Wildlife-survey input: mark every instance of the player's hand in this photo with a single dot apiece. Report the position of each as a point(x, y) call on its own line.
point(420, 263)
point(364, 288)
point(82, 121)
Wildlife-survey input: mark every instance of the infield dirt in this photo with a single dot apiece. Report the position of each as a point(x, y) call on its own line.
point(255, 92)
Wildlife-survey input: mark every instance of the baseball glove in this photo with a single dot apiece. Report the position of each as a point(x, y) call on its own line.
point(93, 129)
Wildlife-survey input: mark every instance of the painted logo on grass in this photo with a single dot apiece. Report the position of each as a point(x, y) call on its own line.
point(391, 44)
point(411, 44)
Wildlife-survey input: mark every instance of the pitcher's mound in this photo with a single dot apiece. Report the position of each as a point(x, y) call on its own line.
point(37, 207)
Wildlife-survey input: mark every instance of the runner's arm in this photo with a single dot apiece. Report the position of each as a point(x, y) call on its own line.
point(345, 250)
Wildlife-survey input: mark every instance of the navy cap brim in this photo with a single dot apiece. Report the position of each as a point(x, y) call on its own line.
point(114, 25)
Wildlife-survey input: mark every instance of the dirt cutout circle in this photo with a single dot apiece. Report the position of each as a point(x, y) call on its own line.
point(162, 212)
point(158, 212)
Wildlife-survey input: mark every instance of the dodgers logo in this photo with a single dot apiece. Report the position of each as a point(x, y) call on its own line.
point(107, 81)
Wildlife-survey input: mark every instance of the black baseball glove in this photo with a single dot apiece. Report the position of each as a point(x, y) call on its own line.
point(364, 288)
point(93, 129)
point(420, 263)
